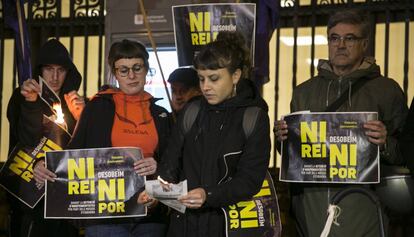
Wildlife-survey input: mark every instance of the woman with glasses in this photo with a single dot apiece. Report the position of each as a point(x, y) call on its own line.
point(121, 117)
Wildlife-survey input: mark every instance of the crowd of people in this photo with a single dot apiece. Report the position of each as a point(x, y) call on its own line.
point(221, 165)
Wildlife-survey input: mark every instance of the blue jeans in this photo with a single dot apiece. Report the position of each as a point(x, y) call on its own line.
point(115, 230)
point(127, 230)
point(148, 230)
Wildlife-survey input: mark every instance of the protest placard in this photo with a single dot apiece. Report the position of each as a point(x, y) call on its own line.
point(94, 183)
point(329, 148)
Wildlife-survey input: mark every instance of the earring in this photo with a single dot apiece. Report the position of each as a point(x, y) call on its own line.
point(234, 90)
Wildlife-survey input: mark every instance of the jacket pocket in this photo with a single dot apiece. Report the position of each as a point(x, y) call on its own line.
point(230, 161)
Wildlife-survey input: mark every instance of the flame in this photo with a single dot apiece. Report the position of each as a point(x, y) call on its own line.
point(59, 114)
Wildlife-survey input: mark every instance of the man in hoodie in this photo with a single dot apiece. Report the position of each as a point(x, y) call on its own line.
point(348, 33)
point(25, 114)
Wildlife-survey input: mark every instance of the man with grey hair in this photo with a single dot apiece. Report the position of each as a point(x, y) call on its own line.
point(350, 73)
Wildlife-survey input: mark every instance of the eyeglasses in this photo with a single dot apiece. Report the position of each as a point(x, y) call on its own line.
point(349, 40)
point(124, 71)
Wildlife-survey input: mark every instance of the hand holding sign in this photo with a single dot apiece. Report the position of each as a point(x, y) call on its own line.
point(376, 132)
point(41, 174)
point(146, 166)
point(280, 130)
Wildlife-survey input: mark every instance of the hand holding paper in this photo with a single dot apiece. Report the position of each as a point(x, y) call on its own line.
point(167, 196)
point(30, 89)
point(145, 199)
point(194, 199)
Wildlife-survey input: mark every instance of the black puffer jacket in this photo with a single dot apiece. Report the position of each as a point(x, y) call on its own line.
point(378, 94)
point(216, 155)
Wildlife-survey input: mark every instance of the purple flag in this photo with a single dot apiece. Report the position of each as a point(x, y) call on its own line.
point(267, 20)
point(15, 19)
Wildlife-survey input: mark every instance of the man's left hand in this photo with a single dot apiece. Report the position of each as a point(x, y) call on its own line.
point(376, 132)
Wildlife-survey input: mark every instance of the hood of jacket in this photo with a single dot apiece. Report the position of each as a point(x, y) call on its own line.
point(336, 85)
point(53, 52)
point(368, 68)
point(247, 95)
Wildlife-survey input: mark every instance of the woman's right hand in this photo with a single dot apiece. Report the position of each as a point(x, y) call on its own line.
point(146, 200)
point(30, 89)
point(280, 130)
point(41, 174)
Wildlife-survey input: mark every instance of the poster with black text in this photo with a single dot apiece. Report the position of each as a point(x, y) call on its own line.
point(329, 148)
point(259, 216)
point(16, 175)
point(198, 24)
point(94, 183)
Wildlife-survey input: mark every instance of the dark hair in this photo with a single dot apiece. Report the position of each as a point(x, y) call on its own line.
point(353, 17)
point(228, 51)
point(127, 49)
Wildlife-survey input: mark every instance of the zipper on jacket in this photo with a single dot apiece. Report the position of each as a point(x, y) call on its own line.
point(225, 163)
point(339, 87)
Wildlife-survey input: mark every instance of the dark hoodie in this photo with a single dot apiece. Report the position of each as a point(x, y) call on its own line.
point(216, 155)
point(27, 129)
point(53, 52)
point(378, 94)
point(25, 120)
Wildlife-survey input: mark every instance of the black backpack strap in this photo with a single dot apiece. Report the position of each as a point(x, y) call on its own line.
point(340, 101)
point(249, 120)
point(190, 115)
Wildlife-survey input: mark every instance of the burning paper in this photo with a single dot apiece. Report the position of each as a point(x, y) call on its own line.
point(168, 197)
point(59, 114)
point(47, 94)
